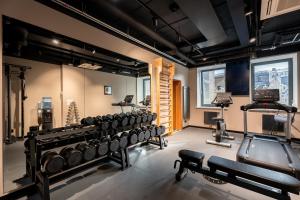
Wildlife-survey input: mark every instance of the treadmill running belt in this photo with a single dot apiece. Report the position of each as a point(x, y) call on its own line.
point(271, 152)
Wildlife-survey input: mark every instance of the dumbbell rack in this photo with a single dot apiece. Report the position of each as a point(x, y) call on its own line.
point(39, 143)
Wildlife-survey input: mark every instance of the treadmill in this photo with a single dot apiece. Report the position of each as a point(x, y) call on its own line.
point(271, 152)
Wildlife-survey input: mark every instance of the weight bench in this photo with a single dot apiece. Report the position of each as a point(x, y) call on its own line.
point(264, 181)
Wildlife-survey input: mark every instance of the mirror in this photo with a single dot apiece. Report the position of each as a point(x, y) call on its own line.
point(52, 81)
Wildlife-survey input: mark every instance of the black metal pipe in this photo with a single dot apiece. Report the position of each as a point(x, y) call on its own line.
point(141, 27)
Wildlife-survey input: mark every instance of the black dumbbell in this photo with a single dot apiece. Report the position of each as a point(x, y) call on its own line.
point(149, 117)
point(72, 156)
point(152, 130)
point(88, 151)
point(113, 123)
point(147, 133)
point(88, 121)
point(144, 117)
point(122, 119)
point(52, 162)
point(102, 146)
point(138, 118)
point(101, 123)
point(158, 130)
point(131, 118)
point(154, 116)
point(163, 129)
point(114, 143)
point(133, 137)
point(140, 135)
point(123, 139)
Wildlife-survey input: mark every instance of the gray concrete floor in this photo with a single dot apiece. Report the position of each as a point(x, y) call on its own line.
point(152, 175)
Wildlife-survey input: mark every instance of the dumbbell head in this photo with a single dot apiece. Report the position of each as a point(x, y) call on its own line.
point(138, 119)
point(152, 130)
point(158, 130)
point(72, 156)
point(114, 124)
point(150, 117)
point(123, 140)
point(88, 121)
point(103, 146)
point(154, 116)
point(144, 117)
point(163, 129)
point(114, 144)
point(141, 135)
point(133, 138)
point(131, 120)
point(147, 133)
point(88, 151)
point(52, 162)
point(104, 125)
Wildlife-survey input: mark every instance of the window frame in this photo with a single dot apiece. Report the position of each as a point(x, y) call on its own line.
point(200, 70)
point(144, 86)
point(290, 74)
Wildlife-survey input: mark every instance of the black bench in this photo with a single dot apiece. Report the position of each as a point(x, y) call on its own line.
point(264, 176)
point(270, 183)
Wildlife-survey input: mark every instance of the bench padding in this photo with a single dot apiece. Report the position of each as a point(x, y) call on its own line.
point(257, 174)
point(192, 156)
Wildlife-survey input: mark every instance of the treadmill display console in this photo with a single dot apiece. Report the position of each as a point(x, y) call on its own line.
point(266, 95)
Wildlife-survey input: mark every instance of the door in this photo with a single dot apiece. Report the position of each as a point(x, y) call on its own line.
point(177, 105)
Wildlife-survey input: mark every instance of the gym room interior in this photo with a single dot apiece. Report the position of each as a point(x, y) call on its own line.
point(149, 99)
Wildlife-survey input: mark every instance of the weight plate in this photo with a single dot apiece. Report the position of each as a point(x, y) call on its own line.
point(103, 148)
point(74, 158)
point(123, 142)
point(158, 131)
point(54, 164)
point(138, 119)
point(133, 139)
point(131, 120)
point(147, 134)
point(152, 131)
point(141, 136)
point(149, 117)
point(144, 118)
point(89, 153)
point(114, 124)
point(163, 129)
point(114, 145)
point(154, 116)
point(124, 121)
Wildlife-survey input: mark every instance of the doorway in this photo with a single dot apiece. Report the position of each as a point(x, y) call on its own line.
point(177, 105)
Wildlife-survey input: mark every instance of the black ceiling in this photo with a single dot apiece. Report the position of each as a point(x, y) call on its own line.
point(193, 32)
point(27, 41)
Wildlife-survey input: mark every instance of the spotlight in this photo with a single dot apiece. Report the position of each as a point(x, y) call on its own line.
point(118, 60)
point(55, 41)
point(94, 51)
point(252, 40)
point(204, 59)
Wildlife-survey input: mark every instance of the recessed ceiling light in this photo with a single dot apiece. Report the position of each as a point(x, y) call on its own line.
point(204, 59)
point(118, 60)
point(248, 13)
point(90, 66)
point(55, 41)
point(252, 40)
point(94, 51)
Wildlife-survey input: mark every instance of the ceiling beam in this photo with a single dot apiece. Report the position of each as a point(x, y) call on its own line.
point(236, 9)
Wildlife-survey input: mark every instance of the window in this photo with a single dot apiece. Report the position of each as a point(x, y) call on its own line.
point(146, 87)
point(210, 81)
point(275, 74)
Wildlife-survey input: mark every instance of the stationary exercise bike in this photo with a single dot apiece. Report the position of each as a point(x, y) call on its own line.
point(222, 100)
